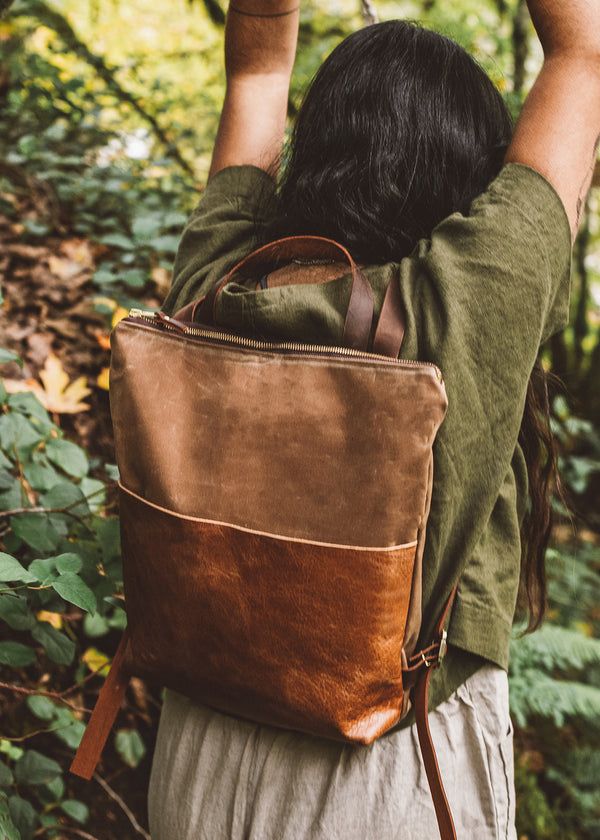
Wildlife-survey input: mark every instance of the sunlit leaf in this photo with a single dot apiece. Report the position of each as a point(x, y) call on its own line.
point(102, 379)
point(96, 660)
point(57, 393)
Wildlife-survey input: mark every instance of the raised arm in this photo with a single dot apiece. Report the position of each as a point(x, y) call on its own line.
point(260, 47)
point(559, 129)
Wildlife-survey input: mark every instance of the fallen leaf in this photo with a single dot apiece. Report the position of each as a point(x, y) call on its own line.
point(64, 269)
point(103, 339)
point(57, 394)
point(162, 277)
point(118, 315)
point(102, 380)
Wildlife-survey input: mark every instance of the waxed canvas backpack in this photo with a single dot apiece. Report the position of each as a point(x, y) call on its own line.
point(274, 499)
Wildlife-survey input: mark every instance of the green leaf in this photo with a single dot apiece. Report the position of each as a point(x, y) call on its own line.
point(33, 768)
point(70, 587)
point(59, 648)
point(94, 492)
point(43, 569)
point(168, 244)
point(15, 611)
point(68, 456)
point(8, 830)
point(75, 809)
point(17, 432)
point(37, 531)
point(16, 655)
point(6, 776)
point(23, 815)
point(118, 620)
point(57, 788)
point(69, 729)
point(7, 480)
point(135, 278)
point(104, 277)
point(27, 403)
point(117, 240)
point(146, 227)
point(109, 536)
point(130, 746)
point(12, 498)
point(12, 570)
point(68, 563)
point(7, 356)
point(65, 494)
point(40, 474)
point(112, 471)
point(41, 706)
point(95, 626)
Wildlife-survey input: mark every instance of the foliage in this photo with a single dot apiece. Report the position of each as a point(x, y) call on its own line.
point(105, 139)
point(555, 673)
point(60, 579)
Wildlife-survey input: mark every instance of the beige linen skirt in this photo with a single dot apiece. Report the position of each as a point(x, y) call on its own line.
point(215, 777)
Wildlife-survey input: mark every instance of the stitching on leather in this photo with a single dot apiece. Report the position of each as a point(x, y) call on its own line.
point(387, 549)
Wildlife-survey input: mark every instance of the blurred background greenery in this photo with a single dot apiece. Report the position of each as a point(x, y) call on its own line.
point(108, 112)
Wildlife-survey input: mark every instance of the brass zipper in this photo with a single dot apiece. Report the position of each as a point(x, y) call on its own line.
point(258, 344)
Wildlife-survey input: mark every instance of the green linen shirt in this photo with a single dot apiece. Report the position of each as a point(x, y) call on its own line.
point(480, 296)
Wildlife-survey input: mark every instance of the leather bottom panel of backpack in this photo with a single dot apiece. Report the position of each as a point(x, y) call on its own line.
point(290, 633)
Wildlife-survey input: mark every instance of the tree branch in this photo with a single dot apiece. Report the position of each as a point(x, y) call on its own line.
point(54, 20)
point(122, 805)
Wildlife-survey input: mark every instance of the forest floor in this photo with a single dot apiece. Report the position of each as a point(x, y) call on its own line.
point(48, 309)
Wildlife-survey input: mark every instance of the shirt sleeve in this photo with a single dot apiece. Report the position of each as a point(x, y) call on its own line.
point(230, 218)
point(481, 297)
point(510, 258)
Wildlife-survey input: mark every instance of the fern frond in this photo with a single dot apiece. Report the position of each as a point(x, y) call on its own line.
point(554, 648)
point(535, 694)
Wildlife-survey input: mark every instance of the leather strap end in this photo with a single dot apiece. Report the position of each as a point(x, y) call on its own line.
point(103, 717)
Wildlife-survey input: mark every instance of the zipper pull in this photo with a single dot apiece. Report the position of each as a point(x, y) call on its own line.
point(172, 322)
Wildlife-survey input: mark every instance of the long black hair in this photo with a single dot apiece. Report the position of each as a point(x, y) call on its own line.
point(399, 128)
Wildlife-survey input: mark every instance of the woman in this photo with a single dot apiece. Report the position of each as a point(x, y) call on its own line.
point(404, 152)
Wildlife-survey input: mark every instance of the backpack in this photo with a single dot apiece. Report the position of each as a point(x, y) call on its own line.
point(274, 499)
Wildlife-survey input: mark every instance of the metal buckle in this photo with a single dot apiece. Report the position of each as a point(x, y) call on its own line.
point(443, 646)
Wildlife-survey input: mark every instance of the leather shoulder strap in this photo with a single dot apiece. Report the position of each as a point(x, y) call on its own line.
point(359, 317)
point(390, 326)
point(422, 664)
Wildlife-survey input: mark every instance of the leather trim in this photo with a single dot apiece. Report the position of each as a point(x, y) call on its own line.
point(266, 533)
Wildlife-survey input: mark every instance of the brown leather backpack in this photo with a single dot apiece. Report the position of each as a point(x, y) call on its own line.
point(274, 499)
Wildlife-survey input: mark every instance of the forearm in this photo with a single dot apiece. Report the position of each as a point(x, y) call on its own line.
point(260, 47)
point(559, 128)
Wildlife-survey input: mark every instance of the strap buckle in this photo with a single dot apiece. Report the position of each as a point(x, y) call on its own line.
point(443, 648)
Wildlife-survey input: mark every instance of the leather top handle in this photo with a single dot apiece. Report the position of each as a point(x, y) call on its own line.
point(359, 317)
